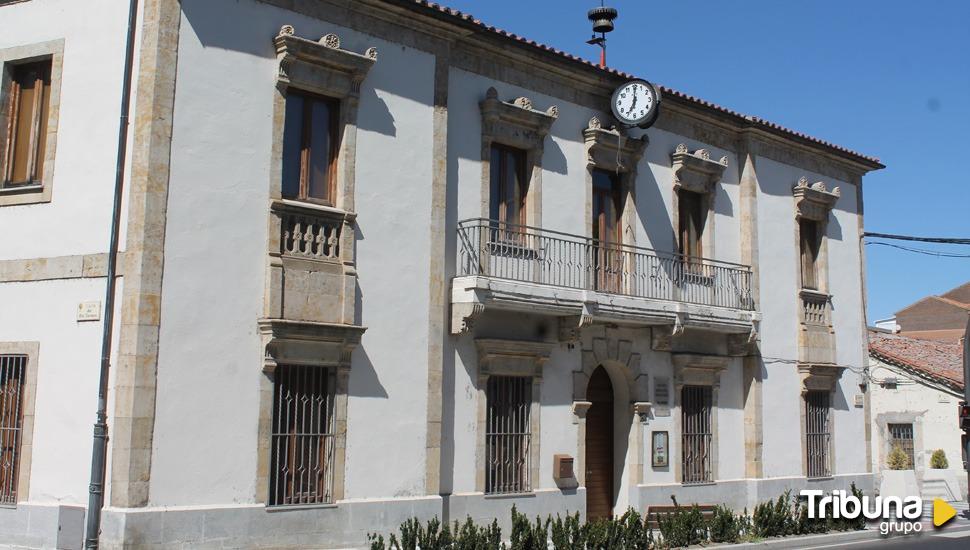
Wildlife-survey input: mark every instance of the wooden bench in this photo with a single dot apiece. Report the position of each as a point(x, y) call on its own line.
point(706, 510)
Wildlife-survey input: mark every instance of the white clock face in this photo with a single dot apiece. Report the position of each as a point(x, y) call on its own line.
point(634, 101)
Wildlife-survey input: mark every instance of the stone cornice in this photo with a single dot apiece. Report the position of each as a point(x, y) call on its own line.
point(308, 343)
point(819, 376)
point(474, 48)
point(814, 202)
point(696, 171)
point(610, 150)
point(513, 357)
point(343, 70)
point(517, 122)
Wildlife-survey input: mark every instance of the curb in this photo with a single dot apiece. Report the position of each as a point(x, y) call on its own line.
point(808, 540)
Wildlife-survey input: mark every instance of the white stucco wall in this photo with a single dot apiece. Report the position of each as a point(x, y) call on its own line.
point(209, 357)
point(67, 381)
point(77, 219)
point(930, 408)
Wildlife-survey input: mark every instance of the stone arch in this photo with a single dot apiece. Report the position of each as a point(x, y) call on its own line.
point(616, 355)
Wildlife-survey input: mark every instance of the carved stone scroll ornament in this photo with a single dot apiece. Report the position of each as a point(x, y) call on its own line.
point(463, 316)
point(815, 201)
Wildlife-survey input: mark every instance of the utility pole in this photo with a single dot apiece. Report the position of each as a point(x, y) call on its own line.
point(964, 421)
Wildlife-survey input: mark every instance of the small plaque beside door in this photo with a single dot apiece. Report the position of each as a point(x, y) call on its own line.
point(562, 467)
point(660, 445)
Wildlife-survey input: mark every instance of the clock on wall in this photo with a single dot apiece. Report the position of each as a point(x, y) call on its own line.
point(636, 103)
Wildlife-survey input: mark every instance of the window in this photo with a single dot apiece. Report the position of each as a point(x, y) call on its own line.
point(13, 372)
point(28, 103)
point(901, 435)
point(817, 434)
point(508, 185)
point(809, 243)
point(607, 230)
point(310, 145)
point(508, 433)
point(303, 436)
point(697, 434)
point(691, 221)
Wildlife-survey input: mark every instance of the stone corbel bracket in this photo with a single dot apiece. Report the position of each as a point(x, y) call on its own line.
point(463, 316)
point(740, 345)
point(571, 327)
point(306, 343)
point(819, 376)
point(610, 150)
point(580, 408)
point(321, 65)
point(814, 202)
point(516, 123)
point(695, 171)
point(643, 411)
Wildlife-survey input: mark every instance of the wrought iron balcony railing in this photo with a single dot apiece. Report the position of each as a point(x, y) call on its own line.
point(528, 254)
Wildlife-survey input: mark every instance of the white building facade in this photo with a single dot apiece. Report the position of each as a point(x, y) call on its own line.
point(380, 261)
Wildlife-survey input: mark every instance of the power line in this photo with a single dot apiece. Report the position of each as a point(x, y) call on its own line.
point(943, 240)
point(923, 251)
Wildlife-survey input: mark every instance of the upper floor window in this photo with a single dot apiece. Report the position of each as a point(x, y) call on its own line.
point(310, 145)
point(691, 221)
point(13, 372)
point(809, 244)
point(303, 438)
point(509, 185)
point(28, 103)
point(508, 434)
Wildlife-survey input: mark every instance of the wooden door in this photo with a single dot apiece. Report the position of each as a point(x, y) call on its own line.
point(606, 231)
point(599, 446)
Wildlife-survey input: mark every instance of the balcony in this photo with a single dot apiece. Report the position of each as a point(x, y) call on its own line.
point(521, 268)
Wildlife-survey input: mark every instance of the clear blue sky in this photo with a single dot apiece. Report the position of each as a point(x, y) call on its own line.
point(890, 79)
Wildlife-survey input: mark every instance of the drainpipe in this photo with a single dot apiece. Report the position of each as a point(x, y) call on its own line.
point(100, 445)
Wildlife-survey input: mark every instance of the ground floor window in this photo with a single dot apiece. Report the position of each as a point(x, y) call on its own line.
point(817, 434)
point(303, 436)
point(697, 434)
point(901, 435)
point(508, 434)
point(13, 372)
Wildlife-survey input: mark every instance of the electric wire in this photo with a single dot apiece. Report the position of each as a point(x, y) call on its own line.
point(943, 240)
point(922, 250)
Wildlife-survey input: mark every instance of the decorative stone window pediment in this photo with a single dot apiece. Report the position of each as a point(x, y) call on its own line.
point(816, 376)
point(610, 150)
point(697, 369)
point(511, 357)
point(814, 202)
point(516, 123)
point(321, 66)
point(696, 172)
point(305, 343)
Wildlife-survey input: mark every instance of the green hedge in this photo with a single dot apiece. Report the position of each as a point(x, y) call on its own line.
point(685, 526)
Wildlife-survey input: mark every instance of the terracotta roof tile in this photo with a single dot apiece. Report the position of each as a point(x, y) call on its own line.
point(942, 361)
point(752, 121)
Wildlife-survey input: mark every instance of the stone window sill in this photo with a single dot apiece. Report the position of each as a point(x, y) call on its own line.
point(24, 194)
point(500, 496)
point(276, 508)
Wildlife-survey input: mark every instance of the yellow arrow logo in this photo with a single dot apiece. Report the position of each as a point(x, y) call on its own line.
point(942, 512)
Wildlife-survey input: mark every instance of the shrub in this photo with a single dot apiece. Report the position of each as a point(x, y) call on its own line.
point(526, 536)
point(568, 533)
point(683, 527)
point(938, 460)
point(775, 519)
point(724, 526)
point(898, 459)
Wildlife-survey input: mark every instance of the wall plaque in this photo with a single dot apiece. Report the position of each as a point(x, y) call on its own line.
point(660, 446)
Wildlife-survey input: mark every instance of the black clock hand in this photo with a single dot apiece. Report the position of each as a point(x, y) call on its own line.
point(634, 104)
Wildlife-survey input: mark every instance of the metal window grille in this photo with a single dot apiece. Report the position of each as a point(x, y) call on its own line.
point(817, 434)
point(303, 436)
point(508, 434)
point(902, 435)
point(696, 434)
point(13, 371)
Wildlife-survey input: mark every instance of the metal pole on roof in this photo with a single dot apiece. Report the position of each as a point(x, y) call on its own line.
point(966, 399)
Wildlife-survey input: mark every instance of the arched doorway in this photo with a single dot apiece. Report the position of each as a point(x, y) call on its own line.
point(599, 446)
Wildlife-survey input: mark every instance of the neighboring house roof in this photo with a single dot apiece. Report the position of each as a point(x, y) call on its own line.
point(469, 21)
point(940, 362)
point(960, 294)
point(942, 335)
